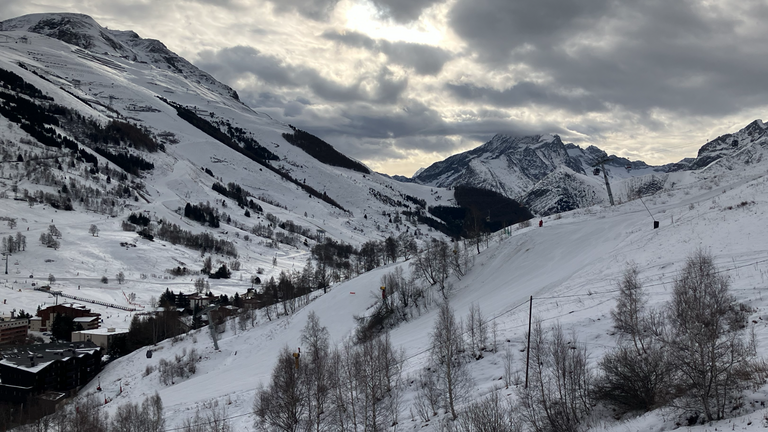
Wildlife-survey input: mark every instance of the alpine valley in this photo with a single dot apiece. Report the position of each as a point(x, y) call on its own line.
point(132, 174)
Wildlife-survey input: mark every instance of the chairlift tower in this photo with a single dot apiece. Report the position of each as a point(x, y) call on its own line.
point(601, 164)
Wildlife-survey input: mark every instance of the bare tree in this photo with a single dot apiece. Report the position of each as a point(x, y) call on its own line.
point(477, 330)
point(490, 414)
point(207, 265)
point(432, 264)
point(461, 260)
point(282, 405)
point(630, 308)
point(705, 336)
point(428, 394)
point(558, 396)
point(447, 347)
point(212, 418)
point(93, 230)
point(637, 375)
point(200, 285)
point(315, 339)
point(120, 277)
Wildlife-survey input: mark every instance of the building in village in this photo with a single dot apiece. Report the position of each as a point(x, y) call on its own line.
point(103, 337)
point(32, 370)
point(13, 330)
point(73, 310)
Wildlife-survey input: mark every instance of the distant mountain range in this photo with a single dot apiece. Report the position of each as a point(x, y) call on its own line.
point(117, 75)
point(549, 176)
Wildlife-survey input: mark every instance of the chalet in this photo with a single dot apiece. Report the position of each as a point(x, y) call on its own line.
point(88, 322)
point(198, 301)
point(31, 370)
point(72, 310)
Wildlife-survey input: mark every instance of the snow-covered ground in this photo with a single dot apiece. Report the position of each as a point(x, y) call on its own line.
point(570, 266)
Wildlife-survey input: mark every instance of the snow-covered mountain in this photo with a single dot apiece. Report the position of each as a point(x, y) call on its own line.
point(505, 164)
point(540, 171)
point(742, 143)
point(84, 32)
point(110, 75)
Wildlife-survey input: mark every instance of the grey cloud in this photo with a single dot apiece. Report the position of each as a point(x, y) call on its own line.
point(403, 11)
point(317, 10)
point(496, 28)
point(415, 122)
point(526, 93)
point(231, 64)
point(352, 39)
point(685, 56)
point(424, 59)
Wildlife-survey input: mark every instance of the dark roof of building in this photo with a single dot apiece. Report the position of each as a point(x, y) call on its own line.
point(35, 357)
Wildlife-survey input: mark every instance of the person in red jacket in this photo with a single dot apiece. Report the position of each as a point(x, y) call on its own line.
point(541, 223)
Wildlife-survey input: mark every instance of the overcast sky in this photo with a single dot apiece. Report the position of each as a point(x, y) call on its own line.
point(400, 84)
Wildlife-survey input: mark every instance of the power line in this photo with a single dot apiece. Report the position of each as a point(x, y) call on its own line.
point(206, 423)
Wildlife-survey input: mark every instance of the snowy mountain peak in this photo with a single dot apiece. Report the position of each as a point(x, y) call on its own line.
point(83, 32)
point(510, 165)
point(730, 144)
point(75, 29)
point(502, 142)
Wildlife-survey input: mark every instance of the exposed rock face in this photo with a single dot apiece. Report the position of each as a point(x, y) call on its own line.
point(508, 165)
point(755, 133)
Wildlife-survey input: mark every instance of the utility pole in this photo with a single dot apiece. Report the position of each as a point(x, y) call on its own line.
point(528, 350)
point(601, 163)
point(212, 327)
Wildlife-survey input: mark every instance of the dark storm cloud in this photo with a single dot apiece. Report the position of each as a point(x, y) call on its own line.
point(403, 11)
point(232, 64)
point(495, 28)
point(424, 59)
point(682, 56)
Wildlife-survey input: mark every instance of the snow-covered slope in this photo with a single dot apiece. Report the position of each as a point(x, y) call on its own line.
point(570, 266)
point(124, 83)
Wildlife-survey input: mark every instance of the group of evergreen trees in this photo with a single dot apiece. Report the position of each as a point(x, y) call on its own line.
point(236, 192)
point(203, 213)
point(322, 151)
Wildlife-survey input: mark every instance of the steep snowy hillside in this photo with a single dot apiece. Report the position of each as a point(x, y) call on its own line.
point(83, 32)
point(127, 81)
point(91, 136)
